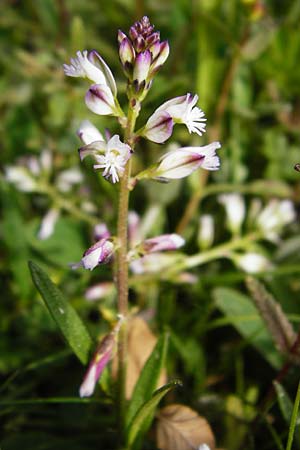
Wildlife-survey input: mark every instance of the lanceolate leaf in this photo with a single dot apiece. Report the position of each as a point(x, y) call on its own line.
point(286, 407)
point(243, 315)
point(71, 326)
point(149, 377)
point(143, 418)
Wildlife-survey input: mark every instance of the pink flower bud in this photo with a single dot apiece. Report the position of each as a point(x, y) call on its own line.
point(99, 253)
point(99, 291)
point(163, 242)
point(102, 356)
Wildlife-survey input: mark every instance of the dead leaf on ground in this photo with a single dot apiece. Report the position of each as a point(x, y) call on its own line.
point(181, 428)
point(140, 344)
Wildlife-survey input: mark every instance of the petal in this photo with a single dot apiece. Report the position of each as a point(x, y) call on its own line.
point(159, 127)
point(179, 164)
point(48, 224)
point(99, 99)
point(81, 66)
point(116, 144)
point(88, 133)
point(161, 58)
point(163, 242)
point(96, 59)
point(92, 149)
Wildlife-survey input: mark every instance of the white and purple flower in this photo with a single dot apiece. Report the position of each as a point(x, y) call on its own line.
point(103, 355)
point(110, 156)
point(182, 162)
point(100, 253)
point(182, 110)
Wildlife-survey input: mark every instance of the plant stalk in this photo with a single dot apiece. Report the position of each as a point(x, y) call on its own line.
point(122, 274)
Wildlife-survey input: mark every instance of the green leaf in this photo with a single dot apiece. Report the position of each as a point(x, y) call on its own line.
point(149, 377)
point(286, 408)
point(69, 323)
point(242, 315)
point(143, 418)
point(294, 420)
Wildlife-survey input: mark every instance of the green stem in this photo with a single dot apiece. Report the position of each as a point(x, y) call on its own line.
point(293, 423)
point(122, 273)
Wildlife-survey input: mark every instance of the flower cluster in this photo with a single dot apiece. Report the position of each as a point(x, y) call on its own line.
point(142, 54)
point(32, 174)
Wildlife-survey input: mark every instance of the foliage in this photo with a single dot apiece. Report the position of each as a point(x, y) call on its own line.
point(241, 58)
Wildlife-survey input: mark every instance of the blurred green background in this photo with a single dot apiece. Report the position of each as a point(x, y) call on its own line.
point(242, 58)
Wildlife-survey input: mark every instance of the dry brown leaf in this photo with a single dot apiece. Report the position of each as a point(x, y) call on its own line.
point(181, 428)
point(140, 343)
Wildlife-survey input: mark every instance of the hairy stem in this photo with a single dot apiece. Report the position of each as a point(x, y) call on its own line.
point(122, 273)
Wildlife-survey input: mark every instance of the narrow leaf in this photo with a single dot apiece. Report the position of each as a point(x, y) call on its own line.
point(69, 323)
point(181, 428)
point(143, 418)
point(275, 319)
point(286, 407)
point(243, 315)
point(149, 377)
point(294, 420)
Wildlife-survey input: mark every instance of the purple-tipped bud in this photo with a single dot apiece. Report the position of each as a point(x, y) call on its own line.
point(162, 243)
point(159, 127)
point(99, 253)
point(121, 36)
point(102, 356)
point(142, 66)
point(99, 99)
point(161, 58)
point(134, 235)
point(126, 52)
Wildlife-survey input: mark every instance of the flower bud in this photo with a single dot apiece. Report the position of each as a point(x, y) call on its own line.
point(104, 353)
point(252, 262)
point(206, 231)
point(127, 55)
point(235, 210)
point(141, 68)
point(162, 243)
point(99, 253)
point(48, 224)
point(275, 216)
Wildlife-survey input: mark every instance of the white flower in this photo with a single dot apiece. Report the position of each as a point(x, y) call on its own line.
point(162, 242)
point(206, 231)
point(182, 162)
point(110, 156)
point(90, 65)
point(180, 110)
point(252, 262)
point(235, 210)
point(274, 216)
point(67, 178)
point(48, 224)
point(88, 133)
point(21, 178)
point(99, 291)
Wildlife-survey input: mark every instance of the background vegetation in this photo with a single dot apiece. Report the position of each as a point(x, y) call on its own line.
point(241, 58)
